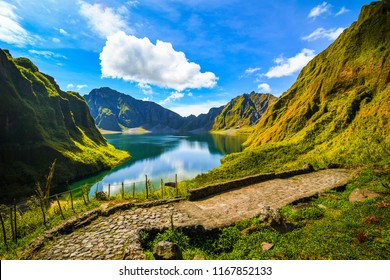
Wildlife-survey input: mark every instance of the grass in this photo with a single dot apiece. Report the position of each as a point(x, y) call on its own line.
point(328, 227)
point(30, 222)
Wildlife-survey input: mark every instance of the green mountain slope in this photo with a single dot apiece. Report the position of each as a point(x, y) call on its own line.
point(337, 111)
point(243, 111)
point(116, 111)
point(113, 110)
point(40, 123)
point(201, 123)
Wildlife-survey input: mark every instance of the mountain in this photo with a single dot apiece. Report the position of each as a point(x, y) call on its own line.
point(201, 123)
point(40, 123)
point(343, 93)
point(337, 111)
point(243, 111)
point(116, 111)
point(113, 110)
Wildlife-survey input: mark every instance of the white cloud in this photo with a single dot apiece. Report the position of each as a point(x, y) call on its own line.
point(132, 3)
point(47, 54)
point(81, 86)
point(63, 32)
point(319, 33)
point(11, 31)
point(343, 10)
point(146, 89)
point(288, 66)
point(56, 40)
point(265, 88)
point(104, 21)
point(319, 10)
point(196, 109)
point(138, 60)
point(252, 70)
point(174, 96)
point(70, 86)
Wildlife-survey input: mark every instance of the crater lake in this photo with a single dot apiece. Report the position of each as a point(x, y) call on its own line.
point(162, 156)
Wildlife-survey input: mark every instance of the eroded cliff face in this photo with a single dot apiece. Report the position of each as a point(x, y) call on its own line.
point(39, 123)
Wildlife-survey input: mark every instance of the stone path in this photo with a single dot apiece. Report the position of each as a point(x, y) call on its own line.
point(116, 236)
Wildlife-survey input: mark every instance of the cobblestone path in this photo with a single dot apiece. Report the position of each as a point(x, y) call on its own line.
point(116, 236)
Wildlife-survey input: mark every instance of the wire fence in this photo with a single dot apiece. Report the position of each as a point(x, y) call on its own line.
point(20, 219)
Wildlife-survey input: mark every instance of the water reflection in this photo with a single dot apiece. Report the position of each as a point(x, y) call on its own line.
point(163, 156)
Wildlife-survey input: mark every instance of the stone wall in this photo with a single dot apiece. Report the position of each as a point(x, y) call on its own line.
point(210, 190)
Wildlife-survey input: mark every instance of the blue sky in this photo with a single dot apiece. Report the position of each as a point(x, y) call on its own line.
point(188, 56)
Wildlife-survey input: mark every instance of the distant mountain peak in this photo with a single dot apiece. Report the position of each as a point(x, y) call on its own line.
point(116, 111)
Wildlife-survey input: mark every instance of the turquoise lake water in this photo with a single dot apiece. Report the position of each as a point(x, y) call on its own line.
point(161, 156)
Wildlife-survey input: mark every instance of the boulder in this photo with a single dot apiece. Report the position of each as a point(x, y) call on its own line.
point(274, 219)
point(308, 166)
point(360, 195)
point(165, 250)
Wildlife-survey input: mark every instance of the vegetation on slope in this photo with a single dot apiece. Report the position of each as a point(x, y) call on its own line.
point(336, 112)
point(116, 111)
point(327, 227)
point(243, 111)
point(40, 123)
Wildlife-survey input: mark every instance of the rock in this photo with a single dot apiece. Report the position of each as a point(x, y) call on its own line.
point(101, 196)
point(266, 246)
point(334, 165)
point(165, 250)
point(308, 166)
point(249, 230)
point(274, 219)
point(360, 195)
point(198, 258)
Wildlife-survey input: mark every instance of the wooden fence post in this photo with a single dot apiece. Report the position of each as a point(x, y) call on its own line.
point(146, 186)
point(43, 210)
point(87, 193)
point(4, 232)
point(71, 201)
point(162, 188)
point(123, 190)
point(177, 189)
point(59, 206)
point(15, 224)
point(11, 214)
point(82, 193)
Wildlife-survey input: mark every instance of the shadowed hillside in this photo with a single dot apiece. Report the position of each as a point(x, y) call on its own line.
point(39, 123)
